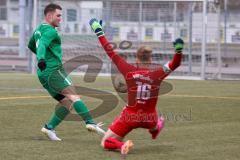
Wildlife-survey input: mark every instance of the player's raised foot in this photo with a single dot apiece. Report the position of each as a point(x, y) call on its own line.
point(160, 126)
point(92, 127)
point(126, 147)
point(50, 133)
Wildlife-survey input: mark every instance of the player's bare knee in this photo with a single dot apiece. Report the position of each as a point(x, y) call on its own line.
point(73, 98)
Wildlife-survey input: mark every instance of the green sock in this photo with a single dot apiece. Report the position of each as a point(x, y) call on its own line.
point(83, 111)
point(57, 117)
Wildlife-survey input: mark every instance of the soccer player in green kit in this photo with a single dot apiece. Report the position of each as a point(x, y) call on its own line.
point(46, 44)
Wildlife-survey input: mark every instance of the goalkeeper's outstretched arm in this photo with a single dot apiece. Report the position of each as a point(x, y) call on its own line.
point(170, 66)
point(121, 64)
point(176, 61)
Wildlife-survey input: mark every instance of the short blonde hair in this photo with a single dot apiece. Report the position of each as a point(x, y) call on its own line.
point(144, 53)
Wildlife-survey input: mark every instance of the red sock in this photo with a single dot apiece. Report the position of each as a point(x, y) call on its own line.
point(111, 143)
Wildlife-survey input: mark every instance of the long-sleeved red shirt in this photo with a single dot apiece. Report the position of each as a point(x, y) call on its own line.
point(143, 84)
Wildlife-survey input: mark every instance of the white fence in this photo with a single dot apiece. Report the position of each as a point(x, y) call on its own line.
point(153, 23)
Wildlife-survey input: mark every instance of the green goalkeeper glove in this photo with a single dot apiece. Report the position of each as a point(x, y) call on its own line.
point(178, 45)
point(96, 26)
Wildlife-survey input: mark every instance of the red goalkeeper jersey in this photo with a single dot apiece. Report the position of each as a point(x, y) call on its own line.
point(143, 84)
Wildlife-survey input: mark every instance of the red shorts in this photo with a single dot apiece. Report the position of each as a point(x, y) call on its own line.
point(130, 119)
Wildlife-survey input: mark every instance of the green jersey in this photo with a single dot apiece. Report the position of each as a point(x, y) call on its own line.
point(46, 44)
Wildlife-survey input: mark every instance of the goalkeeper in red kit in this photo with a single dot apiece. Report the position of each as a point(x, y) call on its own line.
point(143, 86)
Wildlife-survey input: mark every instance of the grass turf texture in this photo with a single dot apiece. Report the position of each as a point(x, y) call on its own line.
point(202, 122)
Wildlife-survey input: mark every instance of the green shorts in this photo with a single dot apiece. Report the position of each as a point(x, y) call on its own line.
point(54, 81)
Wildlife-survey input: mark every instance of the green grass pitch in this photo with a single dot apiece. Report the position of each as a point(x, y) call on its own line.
point(202, 123)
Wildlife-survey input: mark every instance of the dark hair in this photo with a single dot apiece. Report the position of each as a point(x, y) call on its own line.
point(144, 53)
point(51, 8)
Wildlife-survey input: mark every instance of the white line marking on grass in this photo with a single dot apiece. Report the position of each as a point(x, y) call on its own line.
point(23, 89)
point(23, 97)
point(198, 96)
point(170, 95)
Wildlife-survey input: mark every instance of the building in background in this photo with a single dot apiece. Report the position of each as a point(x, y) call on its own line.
point(157, 22)
point(9, 13)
